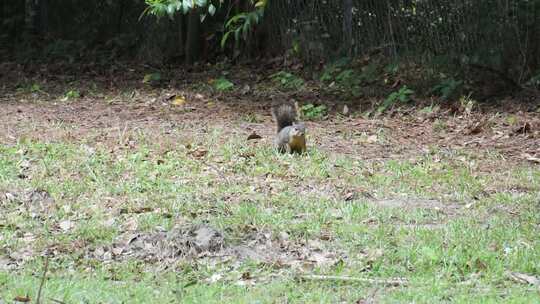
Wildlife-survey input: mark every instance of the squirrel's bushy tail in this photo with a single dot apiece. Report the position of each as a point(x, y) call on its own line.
point(284, 115)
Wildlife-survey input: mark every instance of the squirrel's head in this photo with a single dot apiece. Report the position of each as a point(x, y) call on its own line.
point(298, 129)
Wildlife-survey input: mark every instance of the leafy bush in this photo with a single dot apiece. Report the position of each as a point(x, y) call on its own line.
point(402, 95)
point(31, 88)
point(341, 76)
point(243, 23)
point(71, 94)
point(331, 70)
point(287, 80)
point(534, 81)
point(222, 84)
point(447, 88)
point(312, 112)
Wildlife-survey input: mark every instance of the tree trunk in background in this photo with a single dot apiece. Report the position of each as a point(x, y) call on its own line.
point(534, 44)
point(121, 9)
point(181, 40)
point(30, 16)
point(193, 37)
point(43, 17)
point(347, 27)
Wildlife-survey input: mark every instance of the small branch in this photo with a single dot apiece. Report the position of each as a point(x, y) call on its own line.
point(390, 282)
point(45, 268)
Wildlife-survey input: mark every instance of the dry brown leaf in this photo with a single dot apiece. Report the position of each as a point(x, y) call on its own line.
point(254, 135)
point(247, 155)
point(179, 101)
point(523, 129)
point(23, 299)
point(199, 153)
point(350, 196)
point(136, 210)
point(117, 250)
point(214, 278)
point(321, 259)
point(531, 158)
point(475, 129)
point(371, 139)
point(131, 224)
point(345, 110)
point(66, 225)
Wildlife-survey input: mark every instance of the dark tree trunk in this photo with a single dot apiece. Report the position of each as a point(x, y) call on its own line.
point(347, 27)
point(181, 31)
point(43, 17)
point(534, 43)
point(30, 17)
point(193, 37)
point(121, 9)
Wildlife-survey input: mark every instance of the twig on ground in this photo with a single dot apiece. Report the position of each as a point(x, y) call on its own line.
point(45, 268)
point(390, 282)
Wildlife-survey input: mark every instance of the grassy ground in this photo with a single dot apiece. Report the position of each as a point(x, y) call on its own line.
point(448, 223)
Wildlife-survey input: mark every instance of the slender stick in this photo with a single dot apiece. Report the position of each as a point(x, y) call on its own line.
point(38, 299)
point(391, 282)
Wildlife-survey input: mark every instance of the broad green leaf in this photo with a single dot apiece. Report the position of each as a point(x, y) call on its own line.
point(151, 77)
point(224, 39)
point(237, 34)
point(235, 19)
point(260, 3)
point(222, 84)
point(171, 8)
point(185, 7)
point(211, 9)
point(246, 28)
point(178, 4)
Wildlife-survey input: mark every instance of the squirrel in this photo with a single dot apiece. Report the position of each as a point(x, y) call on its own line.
point(291, 134)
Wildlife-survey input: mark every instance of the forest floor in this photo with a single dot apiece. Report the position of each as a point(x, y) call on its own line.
point(114, 191)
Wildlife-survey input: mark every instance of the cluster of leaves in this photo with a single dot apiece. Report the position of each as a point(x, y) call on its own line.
point(170, 7)
point(287, 80)
point(239, 25)
point(312, 112)
point(152, 77)
point(222, 84)
point(400, 96)
point(447, 88)
point(30, 88)
point(71, 94)
point(243, 23)
point(341, 76)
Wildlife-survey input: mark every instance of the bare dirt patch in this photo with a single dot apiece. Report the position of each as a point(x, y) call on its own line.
point(400, 137)
point(206, 244)
point(414, 203)
point(116, 105)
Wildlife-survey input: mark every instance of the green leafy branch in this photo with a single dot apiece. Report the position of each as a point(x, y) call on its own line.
point(241, 24)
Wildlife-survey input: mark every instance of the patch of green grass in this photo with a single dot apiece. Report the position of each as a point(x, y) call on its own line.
point(456, 255)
